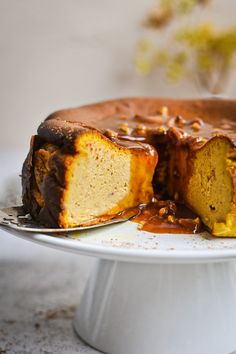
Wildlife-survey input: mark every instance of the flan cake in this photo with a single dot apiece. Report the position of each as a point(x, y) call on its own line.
point(88, 164)
point(75, 175)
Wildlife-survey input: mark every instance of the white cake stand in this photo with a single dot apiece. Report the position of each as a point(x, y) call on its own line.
point(154, 294)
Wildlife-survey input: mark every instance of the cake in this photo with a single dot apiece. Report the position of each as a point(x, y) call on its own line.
point(91, 163)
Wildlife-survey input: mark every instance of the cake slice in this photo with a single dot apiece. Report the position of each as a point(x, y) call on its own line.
point(81, 177)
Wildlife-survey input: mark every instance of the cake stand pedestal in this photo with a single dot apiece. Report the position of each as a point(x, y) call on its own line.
point(136, 308)
point(178, 298)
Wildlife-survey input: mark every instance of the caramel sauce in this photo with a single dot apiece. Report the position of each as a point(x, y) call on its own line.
point(190, 131)
point(148, 120)
point(177, 220)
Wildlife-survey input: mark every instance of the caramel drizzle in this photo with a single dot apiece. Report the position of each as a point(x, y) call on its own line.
point(167, 217)
point(153, 129)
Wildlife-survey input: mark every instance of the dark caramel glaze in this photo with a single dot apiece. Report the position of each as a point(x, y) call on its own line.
point(177, 218)
point(141, 120)
point(167, 217)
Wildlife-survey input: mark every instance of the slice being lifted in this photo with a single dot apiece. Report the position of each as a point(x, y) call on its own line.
point(88, 164)
point(89, 180)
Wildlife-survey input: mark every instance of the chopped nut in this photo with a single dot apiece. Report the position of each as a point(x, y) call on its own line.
point(140, 225)
point(176, 133)
point(168, 205)
point(123, 125)
point(180, 121)
point(171, 219)
point(141, 126)
point(158, 119)
point(197, 220)
point(110, 133)
point(164, 111)
point(195, 126)
point(141, 129)
point(161, 130)
point(176, 196)
point(172, 207)
point(124, 128)
point(163, 211)
point(198, 120)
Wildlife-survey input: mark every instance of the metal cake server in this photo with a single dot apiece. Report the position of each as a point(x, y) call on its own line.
point(15, 218)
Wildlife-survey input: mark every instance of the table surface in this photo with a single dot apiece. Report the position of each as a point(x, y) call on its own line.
point(39, 287)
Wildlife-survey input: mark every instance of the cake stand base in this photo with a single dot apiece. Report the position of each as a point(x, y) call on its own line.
point(130, 308)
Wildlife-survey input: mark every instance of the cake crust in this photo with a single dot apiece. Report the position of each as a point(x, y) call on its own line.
point(49, 169)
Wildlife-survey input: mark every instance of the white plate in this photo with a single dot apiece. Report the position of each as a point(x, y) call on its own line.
point(124, 242)
point(118, 242)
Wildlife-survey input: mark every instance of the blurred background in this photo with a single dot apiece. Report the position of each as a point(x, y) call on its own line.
point(57, 53)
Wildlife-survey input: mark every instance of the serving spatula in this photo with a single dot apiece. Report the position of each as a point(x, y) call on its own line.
point(15, 218)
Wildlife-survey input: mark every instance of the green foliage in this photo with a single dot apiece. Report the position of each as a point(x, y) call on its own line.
point(176, 67)
point(143, 65)
point(208, 45)
point(186, 6)
point(210, 51)
point(161, 57)
point(143, 60)
point(180, 6)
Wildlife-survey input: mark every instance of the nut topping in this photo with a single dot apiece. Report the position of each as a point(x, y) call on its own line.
point(176, 196)
point(141, 129)
point(198, 121)
point(110, 133)
point(160, 130)
point(164, 112)
point(154, 119)
point(195, 126)
point(163, 212)
point(180, 121)
point(176, 133)
point(171, 219)
point(125, 128)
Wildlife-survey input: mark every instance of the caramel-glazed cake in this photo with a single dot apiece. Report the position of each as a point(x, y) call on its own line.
point(91, 163)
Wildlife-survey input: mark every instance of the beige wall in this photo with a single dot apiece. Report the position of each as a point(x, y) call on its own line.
point(57, 53)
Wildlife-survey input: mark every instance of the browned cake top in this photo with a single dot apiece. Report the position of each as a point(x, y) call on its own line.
point(142, 119)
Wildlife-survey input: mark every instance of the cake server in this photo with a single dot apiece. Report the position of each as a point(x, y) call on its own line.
point(15, 218)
